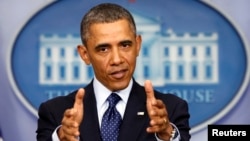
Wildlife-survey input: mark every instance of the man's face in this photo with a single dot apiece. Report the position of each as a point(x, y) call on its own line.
point(112, 50)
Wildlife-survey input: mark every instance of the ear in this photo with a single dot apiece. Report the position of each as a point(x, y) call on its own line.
point(83, 52)
point(138, 43)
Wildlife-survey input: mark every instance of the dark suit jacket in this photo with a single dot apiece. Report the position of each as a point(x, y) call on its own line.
point(133, 127)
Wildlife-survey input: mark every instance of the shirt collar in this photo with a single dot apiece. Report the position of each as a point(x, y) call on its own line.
point(102, 93)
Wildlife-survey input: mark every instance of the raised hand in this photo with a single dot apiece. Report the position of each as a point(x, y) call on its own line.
point(159, 121)
point(72, 118)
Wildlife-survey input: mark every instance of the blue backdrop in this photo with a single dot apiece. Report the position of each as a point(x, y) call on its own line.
point(17, 118)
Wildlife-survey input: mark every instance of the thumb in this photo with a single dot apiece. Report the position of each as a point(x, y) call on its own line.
point(149, 91)
point(79, 99)
point(78, 105)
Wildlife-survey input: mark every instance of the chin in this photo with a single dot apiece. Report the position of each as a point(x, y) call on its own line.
point(120, 85)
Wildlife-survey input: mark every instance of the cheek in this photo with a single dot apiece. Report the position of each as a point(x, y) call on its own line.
point(131, 60)
point(99, 65)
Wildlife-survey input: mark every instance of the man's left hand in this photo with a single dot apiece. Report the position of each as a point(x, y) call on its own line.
point(159, 121)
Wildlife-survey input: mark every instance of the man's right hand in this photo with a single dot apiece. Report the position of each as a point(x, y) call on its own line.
point(72, 118)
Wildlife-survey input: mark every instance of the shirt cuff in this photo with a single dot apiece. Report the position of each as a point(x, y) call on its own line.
point(54, 135)
point(176, 137)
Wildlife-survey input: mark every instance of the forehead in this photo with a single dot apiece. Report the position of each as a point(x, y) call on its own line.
point(110, 31)
point(111, 26)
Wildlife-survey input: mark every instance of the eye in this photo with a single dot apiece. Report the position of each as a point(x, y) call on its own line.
point(126, 44)
point(103, 49)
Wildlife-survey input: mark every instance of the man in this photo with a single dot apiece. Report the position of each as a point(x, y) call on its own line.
point(111, 46)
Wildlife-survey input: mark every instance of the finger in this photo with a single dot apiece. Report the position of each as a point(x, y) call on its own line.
point(153, 129)
point(69, 113)
point(149, 90)
point(70, 138)
point(78, 105)
point(160, 121)
point(70, 130)
point(159, 103)
point(150, 99)
point(160, 109)
point(68, 133)
point(158, 125)
point(79, 99)
point(69, 122)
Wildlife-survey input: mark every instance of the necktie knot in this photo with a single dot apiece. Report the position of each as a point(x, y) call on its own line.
point(111, 120)
point(113, 99)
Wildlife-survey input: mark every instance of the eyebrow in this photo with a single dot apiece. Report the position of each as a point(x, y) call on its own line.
point(102, 45)
point(126, 42)
point(108, 45)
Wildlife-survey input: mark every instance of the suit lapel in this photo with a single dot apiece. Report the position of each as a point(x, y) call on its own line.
point(134, 122)
point(89, 128)
point(136, 118)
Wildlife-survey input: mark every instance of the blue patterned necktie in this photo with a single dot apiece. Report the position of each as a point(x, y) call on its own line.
point(111, 120)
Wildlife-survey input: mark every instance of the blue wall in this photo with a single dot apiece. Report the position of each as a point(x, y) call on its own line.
point(17, 123)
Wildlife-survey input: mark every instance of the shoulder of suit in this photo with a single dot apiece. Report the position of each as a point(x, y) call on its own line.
point(60, 99)
point(168, 96)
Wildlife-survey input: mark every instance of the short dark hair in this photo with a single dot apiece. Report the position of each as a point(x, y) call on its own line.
point(105, 13)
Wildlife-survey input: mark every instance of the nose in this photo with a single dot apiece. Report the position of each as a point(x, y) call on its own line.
point(116, 56)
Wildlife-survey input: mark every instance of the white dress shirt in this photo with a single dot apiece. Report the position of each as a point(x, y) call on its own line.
point(101, 94)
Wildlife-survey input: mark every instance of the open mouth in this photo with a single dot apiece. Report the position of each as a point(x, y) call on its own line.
point(119, 74)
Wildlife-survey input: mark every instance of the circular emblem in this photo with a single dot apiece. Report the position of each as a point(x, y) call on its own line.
point(190, 49)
